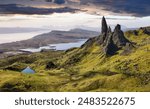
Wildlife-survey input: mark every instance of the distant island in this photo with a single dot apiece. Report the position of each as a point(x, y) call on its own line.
point(52, 37)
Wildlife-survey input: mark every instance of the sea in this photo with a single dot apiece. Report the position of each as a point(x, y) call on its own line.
point(13, 37)
point(59, 46)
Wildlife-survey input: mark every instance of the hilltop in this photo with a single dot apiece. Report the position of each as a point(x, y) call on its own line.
point(111, 61)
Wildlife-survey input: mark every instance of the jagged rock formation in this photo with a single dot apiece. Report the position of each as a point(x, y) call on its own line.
point(110, 48)
point(111, 41)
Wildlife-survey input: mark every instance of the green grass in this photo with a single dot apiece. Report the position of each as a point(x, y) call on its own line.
point(81, 69)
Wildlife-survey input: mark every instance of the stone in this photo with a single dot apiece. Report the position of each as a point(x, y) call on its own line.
point(104, 26)
point(50, 65)
point(110, 41)
point(109, 30)
point(115, 40)
point(118, 37)
point(110, 47)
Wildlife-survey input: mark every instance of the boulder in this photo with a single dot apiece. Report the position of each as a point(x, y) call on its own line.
point(50, 65)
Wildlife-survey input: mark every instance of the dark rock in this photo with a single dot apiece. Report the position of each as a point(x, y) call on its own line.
point(135, 32)
point(110, 47)
point(50, 65)
point(110, 41)
point(145, 30)
point(109, 30)
point(118, 37)
point(107, 36)
point(104, 26)
point(47, 50)
point(101, 39)
point(89, 42)
point(113, 41)
point(12, 68)
point(103, 36)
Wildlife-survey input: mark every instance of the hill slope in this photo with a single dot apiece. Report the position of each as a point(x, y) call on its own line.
point(88, 68)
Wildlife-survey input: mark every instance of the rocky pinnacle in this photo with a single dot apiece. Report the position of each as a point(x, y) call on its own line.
point(104, 25)
point(112, 41)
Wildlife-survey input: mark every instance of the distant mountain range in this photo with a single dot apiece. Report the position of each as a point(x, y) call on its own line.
point(52, 37)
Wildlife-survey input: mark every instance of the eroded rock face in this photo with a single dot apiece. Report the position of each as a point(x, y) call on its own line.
point(112, 41)
point(110, 48)
point(118, 37)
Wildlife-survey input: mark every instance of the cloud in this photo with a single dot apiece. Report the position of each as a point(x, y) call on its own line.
point(102, 7)
point(59, 1)
point(134, 7)
point(20, 9)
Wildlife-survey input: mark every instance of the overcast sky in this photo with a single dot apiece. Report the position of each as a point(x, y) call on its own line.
point(67, 14)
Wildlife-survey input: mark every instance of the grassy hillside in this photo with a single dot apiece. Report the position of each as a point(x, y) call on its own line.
point(82, 69)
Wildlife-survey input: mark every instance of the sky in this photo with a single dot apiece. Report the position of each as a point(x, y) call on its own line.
point(68, 14)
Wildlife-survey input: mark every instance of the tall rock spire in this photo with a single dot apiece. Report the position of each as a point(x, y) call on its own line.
point(104, 25)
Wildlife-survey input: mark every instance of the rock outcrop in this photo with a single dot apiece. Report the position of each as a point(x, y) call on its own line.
point(104, 32)
point(112, 41)
point(118, 37)
point(146, 30)
point(110, 48)
point(50, 65)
